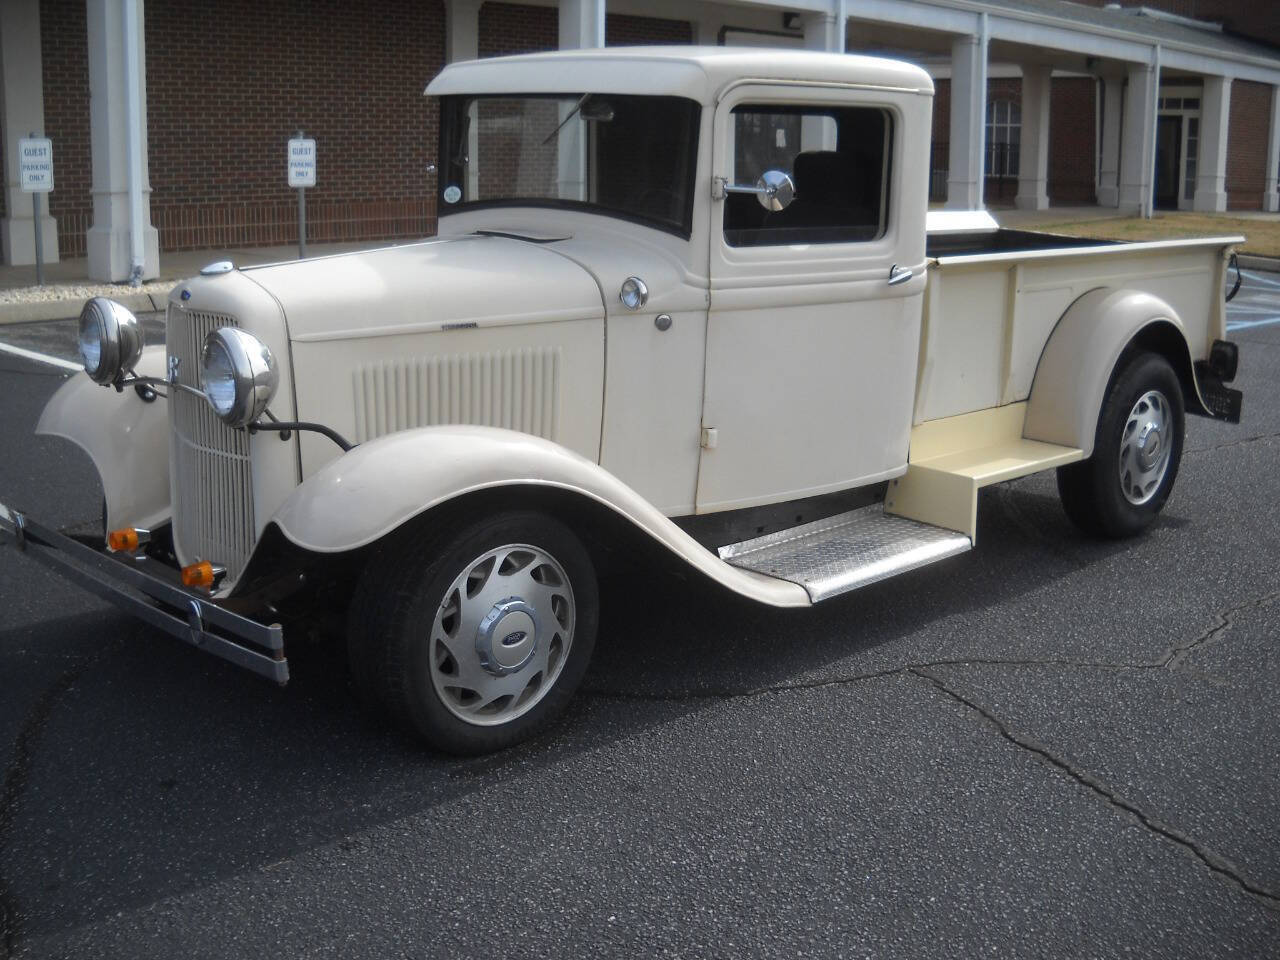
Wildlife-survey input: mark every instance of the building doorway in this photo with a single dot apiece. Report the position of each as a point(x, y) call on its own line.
point(1177, 146)
point(1168, 161)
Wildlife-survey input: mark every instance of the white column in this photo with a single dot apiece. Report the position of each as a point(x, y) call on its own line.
point(968, 122)
point(823, 32)
point(109, 239)
point(1137, 140)
point(706, 29)
point(1033, 160)
point(581, 24)
point(462, 41)
point(1271, 195)
point(1109, 168)
point(1211, 167)
point(23, 85)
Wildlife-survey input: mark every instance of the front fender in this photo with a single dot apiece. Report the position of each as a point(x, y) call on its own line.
point(126, 437)
point(378, 486)
point(1075, 367)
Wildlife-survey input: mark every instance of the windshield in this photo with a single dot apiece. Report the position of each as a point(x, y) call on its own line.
point(628, 156)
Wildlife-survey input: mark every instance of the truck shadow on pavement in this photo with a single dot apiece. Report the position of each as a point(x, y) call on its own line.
point(156, 770)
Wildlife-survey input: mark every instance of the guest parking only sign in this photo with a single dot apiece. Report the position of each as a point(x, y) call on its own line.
point(302, 162)
point(35, 164)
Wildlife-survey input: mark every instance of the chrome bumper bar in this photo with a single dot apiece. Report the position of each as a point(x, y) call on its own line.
point(177, 611)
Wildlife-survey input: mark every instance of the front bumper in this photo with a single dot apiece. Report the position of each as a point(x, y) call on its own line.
point(127, 583)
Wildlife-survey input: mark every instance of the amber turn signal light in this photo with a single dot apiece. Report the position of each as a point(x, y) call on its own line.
point(200, 574)
point(127, 539)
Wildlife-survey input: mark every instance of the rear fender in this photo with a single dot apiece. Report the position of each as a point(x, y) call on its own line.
point(1081, 355)
point(126, 437)
point(379, 486)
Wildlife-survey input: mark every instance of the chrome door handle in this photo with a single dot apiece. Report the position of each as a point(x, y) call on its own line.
point(899, 275)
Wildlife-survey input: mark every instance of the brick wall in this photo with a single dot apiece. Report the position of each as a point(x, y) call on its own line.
point(622, 30)
point(224, 95)
point(1247, 132)
point(509, 28)
point(1073, 135)
point(1072, 140)
point(65, 66)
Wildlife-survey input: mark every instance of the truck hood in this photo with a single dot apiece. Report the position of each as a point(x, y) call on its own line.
point(474, 280)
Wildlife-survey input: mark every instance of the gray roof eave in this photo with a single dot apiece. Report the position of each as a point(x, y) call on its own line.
point(1021, 21)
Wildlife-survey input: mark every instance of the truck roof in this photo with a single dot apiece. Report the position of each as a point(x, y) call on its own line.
point(698, 73)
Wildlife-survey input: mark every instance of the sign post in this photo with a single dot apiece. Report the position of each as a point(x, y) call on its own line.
point(302, 174)
point(35, 166)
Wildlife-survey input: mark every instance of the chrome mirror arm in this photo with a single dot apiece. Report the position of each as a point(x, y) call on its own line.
point(721, 186)
point(775, 189)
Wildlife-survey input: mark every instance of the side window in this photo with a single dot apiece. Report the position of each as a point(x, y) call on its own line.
point(838, 158)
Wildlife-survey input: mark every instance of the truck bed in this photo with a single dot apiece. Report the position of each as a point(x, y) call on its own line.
point(994, 297)
point(1003, 241)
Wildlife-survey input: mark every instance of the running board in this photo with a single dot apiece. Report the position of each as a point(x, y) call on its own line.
point(841, 553)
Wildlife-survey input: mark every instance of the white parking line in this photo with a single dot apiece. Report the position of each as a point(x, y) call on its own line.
point(40, 357)
point(1242, 324)
point(1255, 278)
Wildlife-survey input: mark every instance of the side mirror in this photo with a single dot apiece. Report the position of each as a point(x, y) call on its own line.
point(775, 189)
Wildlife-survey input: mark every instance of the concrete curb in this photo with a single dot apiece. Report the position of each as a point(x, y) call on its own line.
point(70, 309)
point(1249, 261)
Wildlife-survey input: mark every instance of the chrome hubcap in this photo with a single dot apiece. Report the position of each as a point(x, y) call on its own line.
point(502, 634)
point(1145, 447)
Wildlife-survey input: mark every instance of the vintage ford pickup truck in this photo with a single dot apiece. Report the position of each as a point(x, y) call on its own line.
point(680, 297)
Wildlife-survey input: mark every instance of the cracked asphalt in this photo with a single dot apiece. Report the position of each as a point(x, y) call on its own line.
point(1047, 747)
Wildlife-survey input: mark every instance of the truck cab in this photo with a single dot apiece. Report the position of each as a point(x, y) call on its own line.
point(762, 335)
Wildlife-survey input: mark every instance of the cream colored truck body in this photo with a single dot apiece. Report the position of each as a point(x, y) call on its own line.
point(499, 355)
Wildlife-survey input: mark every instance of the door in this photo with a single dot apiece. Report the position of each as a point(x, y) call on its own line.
point(811, 353)
point(1168, 161)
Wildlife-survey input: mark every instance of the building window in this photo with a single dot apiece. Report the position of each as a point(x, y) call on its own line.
point(1193, 151)
point(1004, 137)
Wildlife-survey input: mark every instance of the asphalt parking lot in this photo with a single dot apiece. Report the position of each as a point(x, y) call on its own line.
point(1045, 747)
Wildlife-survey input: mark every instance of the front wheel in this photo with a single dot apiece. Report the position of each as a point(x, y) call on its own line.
point(1119, 490)
point(475, 639)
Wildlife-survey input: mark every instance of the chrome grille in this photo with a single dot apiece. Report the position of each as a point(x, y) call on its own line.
point(210, 474)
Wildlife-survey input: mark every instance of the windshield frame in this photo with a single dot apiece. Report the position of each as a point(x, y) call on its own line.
point(454, 122)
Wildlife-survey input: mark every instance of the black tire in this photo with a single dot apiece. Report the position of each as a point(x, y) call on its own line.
point(1092, 491)
point(393, 621)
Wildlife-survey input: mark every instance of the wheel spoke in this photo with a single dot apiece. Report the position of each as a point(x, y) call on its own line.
point(466, 671)
point(499, 687)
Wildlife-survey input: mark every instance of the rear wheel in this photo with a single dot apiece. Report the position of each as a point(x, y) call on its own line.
point(1119, 490)
point(475, 639)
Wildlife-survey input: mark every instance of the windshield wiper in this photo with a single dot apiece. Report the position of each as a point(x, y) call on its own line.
point(569, 116)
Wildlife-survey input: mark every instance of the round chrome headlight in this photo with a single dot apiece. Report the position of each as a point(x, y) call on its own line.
point(238, 375)
point(110, 340)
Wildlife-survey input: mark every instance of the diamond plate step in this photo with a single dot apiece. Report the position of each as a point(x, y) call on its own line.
point(841, 553)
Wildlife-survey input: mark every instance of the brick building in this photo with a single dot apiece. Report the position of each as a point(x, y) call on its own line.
point(175, 116)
